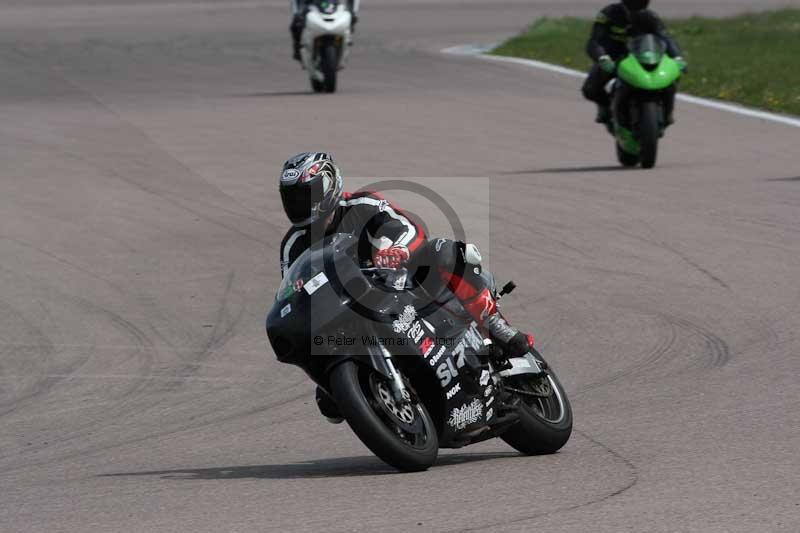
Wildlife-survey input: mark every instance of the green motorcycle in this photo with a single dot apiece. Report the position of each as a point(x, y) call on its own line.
point(640, 96)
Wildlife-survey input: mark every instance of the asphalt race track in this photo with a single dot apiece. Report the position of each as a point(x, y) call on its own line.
point(140, 144)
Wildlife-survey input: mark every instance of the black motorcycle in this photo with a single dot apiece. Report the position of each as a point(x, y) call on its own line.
point(409, 371)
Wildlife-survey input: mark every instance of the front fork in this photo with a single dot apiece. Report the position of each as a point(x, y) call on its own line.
point(625, 113)
point(399, 390)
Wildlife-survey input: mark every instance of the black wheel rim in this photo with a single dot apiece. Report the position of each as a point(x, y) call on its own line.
point(408, 422)
point(548, 407)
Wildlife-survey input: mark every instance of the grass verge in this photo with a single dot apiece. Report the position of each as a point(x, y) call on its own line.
point(752, 59)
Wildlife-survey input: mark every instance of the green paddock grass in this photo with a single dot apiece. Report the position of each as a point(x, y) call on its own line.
point(752, 59)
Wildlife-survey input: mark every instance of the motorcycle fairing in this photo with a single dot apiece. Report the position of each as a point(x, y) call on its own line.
point(320, 26)
point(647, 67)
point(447, 350)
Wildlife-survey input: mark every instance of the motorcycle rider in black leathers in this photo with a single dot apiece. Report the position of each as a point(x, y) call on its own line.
point(313, 198)
point(299, 10)
point(612, 28)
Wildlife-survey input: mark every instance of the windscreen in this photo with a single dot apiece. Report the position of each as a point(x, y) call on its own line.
point(648, 49)
point(304, 268)
point(307, 272)
point(326, 6)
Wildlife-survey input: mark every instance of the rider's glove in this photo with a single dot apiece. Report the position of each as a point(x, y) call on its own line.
point(607, 64)
point(682, 63)
point(392, 257)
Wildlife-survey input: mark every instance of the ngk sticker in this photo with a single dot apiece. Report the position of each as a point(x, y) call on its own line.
point(455, 390)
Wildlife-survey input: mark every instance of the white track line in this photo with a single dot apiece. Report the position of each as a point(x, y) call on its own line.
point(480, 52)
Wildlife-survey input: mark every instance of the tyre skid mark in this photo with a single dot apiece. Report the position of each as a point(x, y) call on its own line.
point(220, 334)
point(143, 350)
point(43, 349)
point(76, 87)
point(717, 352)
point(91, 450)
point(171, 197)
point(657, 355)
point(633, 479)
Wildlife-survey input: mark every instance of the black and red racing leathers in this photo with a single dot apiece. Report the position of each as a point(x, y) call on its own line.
point(381, 225)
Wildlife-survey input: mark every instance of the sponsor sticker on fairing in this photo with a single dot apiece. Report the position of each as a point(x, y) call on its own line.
point(286, 310)
point(467, 414)
point(312, 285)
point(473, 337)
point(450, 367)
point(519, 362)
point(416, 332)
point(426, 346)
point(455, 390)
point(435, 358)
point(405, 319)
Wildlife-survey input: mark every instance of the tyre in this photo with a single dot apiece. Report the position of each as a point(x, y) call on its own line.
point(329, 65)
point(317, 86)
point(403, 437)
point(545, 423)
point(649, 133)
point(626, 159)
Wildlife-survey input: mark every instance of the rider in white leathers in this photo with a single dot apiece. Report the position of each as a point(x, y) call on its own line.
point(299, 8)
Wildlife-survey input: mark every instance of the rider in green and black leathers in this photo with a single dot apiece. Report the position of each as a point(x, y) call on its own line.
point(614, 25)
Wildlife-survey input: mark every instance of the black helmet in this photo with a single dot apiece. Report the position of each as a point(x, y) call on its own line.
point(636, 5)
point(311, 187)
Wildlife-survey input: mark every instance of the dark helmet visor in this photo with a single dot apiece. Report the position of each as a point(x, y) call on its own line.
point(636, 5)
point(301, 201)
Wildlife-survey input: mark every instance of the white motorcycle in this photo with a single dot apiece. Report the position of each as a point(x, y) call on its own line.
point(325, 42)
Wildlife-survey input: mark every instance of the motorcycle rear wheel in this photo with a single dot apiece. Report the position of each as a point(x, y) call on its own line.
point(403, 437)
point(545, 423)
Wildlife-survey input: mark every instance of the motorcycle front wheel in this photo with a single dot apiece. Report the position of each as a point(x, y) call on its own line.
point(329, 65)
point(317, 86)
point(626, 159)
point(403, 436)
point(545, 415)
point(649, 133)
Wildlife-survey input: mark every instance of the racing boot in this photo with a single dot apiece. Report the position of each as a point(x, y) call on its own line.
point(328, 407)
point(513, 342)
point(296, 29)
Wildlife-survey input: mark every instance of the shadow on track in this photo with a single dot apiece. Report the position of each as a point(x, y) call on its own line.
point(268, 94)
point(323, 468)
point(569, 170)
point(796, 178)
